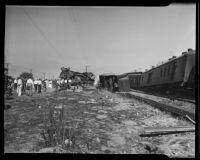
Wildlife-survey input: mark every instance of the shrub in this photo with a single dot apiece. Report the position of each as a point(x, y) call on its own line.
point(55, 131)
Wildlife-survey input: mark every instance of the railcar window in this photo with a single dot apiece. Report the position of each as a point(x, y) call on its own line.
point(161, 72)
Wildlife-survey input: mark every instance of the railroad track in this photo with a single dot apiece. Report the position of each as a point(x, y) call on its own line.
point(165, 96)
point(162, 106)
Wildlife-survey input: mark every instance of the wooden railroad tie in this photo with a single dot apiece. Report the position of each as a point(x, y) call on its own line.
point(154, 131)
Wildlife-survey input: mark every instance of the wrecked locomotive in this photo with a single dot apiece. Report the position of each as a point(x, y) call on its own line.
point(77, 77)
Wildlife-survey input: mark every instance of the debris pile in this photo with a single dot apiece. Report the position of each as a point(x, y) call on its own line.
point(77, 77)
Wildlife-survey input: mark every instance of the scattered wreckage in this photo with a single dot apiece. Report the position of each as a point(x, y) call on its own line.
point(77, 78)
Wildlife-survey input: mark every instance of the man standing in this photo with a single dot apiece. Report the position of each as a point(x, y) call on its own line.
point(19, 86)
point(39, 85)
point(69, 83)
point(65, 84)
point(29, 86)
point(115, 87)
point(61, 84)
point(35, 85)
point(44, 85)
point(15, 84)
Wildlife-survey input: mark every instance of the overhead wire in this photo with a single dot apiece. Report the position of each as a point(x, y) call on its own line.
point(44, 36)
point(76, 24)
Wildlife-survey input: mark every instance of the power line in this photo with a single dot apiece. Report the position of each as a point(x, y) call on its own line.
point(76, 23)
point(44, 36)
point(86, 68)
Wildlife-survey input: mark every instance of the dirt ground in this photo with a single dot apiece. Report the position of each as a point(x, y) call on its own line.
point(106, 123)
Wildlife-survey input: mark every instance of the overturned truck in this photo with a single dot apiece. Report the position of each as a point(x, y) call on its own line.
point(85, 78)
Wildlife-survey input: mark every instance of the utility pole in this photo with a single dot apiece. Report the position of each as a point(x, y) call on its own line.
point(86, 72)
point(86, 68)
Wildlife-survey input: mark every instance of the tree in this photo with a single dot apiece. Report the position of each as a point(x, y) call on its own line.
point(8, 81)
point(26, 75)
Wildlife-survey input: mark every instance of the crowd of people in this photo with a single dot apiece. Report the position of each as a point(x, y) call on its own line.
point(63, 83)
point(29, 86)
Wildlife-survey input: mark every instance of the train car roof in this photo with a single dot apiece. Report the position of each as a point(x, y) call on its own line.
point(171, 60)
point(138, 74)
point(109, 74)
point(120, 75)
point(124, 78)
point(129, 73)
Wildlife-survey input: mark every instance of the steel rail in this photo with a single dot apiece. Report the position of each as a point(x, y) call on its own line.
point(161, 106)
point(164, 96)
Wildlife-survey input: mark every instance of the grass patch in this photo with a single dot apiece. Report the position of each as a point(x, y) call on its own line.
point(56, 130)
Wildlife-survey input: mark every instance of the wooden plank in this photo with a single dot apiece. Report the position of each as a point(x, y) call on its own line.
point(190, 119)
point(163, 130)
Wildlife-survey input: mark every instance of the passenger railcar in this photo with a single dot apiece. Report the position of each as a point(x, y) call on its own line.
point(176, 73)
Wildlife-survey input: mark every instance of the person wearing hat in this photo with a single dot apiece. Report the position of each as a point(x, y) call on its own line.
point(35, 85)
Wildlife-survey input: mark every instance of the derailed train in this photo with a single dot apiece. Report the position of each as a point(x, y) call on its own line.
point(177, 75)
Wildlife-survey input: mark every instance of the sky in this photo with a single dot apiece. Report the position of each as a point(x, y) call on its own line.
point(106, 39)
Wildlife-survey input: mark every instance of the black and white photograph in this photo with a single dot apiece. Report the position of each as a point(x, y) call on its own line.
point(100, 79)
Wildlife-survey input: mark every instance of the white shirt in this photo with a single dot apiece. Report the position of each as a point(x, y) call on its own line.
point(62, 81)
point(65, 81)
point(29, 81)
point(15, 81)
point(19, 82)
point(69, 80)
point(35, 82)
point(39, 82)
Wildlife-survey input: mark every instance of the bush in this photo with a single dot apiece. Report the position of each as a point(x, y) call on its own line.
point(55, 131)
